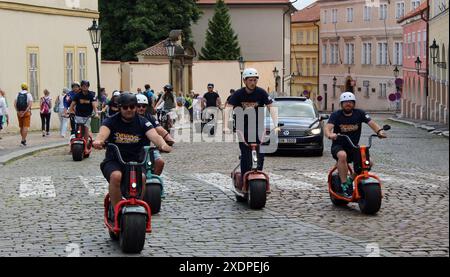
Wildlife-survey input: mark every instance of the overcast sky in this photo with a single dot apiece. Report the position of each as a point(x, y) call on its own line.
point(300, 4)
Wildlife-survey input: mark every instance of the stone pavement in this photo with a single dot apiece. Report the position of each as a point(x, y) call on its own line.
point(430, 126)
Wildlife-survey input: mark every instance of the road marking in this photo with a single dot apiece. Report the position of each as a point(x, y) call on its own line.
point(36, 187)
point(406, 182)
point(172, 186)
point(281, 182)
point(218, 180)
point(96, 185)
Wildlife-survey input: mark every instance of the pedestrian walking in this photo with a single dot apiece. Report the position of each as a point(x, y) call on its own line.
point(22, 104)
point(46, 107)
point(61, 110)
point(4, 117)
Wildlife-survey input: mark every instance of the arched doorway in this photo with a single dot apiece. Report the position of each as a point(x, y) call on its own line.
point(349, 85)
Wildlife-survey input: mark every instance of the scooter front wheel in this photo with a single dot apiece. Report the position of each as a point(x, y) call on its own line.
point(132, 233)
point(370, 202)
point(257, 194)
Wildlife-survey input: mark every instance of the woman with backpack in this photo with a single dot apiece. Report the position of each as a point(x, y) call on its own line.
point(46, 106)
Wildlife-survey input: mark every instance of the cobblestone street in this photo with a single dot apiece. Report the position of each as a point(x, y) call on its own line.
point(53, 206)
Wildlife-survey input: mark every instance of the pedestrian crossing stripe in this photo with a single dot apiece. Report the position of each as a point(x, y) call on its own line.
point(37, 187)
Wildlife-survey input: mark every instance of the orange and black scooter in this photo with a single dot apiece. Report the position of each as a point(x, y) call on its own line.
point(366, 186)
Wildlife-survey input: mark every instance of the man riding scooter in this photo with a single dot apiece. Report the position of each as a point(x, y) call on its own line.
point(82, 106)
point(142, 110)
point(130, 132)
point(254, 98)
point(347, 121)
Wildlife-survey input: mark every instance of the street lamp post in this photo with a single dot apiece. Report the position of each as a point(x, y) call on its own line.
point(241, 68)
point(95, 34)
point(334, 92)
point(434, 54)
point(396, 72)
point(170, 47)
point(418, 63)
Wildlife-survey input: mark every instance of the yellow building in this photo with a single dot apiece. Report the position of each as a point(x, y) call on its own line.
point(305, 52)
point(45, 44)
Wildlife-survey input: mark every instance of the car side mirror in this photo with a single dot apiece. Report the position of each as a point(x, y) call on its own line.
point(324, 117)
point(280, 124)
point(386, 127)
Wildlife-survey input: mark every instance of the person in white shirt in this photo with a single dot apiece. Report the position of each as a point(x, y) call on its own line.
point(62, 112)
point(3, 110)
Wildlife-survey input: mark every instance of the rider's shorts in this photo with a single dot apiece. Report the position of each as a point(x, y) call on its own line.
point(108, 167)
point(81, 119)
point(336, 148)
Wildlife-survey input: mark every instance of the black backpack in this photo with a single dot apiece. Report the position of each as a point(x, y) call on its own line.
point(22, 102)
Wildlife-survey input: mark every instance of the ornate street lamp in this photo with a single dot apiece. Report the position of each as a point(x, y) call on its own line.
point(241, 67)
point(170, 48)
point(95, 34)
point(434, 54)
point(396, 71)
point(418, 63)
point(334, 86)
point(275, 72)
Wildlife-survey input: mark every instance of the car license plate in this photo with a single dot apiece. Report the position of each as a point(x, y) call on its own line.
point(287, 140)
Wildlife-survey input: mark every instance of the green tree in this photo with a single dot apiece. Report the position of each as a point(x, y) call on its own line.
point(129, 26)
point(221, 41)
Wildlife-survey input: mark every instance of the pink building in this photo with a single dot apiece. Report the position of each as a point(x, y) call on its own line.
point(415, 48)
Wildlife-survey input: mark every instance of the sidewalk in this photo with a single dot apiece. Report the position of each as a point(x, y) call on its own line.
point(430, 126)
point(10, 148)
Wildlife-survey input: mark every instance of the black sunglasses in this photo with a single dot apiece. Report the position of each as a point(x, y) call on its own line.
point(126, 107)
point(141, 106)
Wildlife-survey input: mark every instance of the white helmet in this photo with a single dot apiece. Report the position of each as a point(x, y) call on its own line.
point(348, 96)
point(250, 72)
point(142, 99)
point(116, 93)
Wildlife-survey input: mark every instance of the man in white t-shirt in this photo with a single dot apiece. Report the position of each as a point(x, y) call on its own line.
point(3, 110)
point(23, 103)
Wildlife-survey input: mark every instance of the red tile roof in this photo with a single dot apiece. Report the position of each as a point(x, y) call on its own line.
point(156, 50)
point(308, 14)
point(245, 2)
point(417, 11)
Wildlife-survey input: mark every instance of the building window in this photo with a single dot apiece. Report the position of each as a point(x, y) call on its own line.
point(419, 46)
point(69, 54)
point(314, 66)
point(299, 37)
point(383, 11)
point(382, 90)
point(399, 10)
point(349, 14)
point(82, 69)
point(415, 4)
point(325, 15)
point(308, 72)
point(334, 15)
point(349, 53)
point(382, 53)
point(334, 53)
point(424, 41)
point(409, 45)
point(398, 53)
point(33, 71)
point(300, 66)
point(324, 54)
point(315, 38)
point(366, 57)
point(367, 13)
point(308, 37)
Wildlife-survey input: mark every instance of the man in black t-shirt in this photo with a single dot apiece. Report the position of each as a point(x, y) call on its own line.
point(130, 132)
point(347, 121)
point(250, 97)
point(83, 104)
point(211, 101)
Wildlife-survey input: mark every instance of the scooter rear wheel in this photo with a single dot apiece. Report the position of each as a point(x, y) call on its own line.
point(257, 194)
point(77, 152)
point(152, 197)
point(132, 233)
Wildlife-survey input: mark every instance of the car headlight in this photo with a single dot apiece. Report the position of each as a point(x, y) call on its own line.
point(316, 131)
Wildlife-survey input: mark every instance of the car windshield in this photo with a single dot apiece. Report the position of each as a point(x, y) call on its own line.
point(294, 109)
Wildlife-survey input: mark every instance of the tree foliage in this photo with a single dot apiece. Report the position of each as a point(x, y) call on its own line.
point(129, 26)
point(221, 41)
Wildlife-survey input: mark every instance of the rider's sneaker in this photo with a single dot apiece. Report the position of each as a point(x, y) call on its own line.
point(347, 188)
